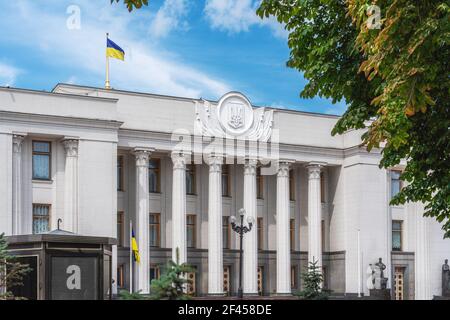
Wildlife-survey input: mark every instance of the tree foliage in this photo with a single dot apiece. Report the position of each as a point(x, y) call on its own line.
point(171, 285)
point(12, 272)
point(312, 284)
point(133, 4)
point(394, 79)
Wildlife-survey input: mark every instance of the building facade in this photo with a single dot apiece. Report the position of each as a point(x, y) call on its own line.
point(176, 170)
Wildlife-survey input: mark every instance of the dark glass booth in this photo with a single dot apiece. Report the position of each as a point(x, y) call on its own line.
point(65, 266)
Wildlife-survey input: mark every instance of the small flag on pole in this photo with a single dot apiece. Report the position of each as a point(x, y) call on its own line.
point(114, 51)
point(134, 248)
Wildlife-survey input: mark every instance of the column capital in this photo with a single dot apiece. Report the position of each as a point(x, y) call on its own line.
point(17, 143)
point(283, 167)
point(142, 155)
point(215, 162)
point(250, 166)
point(179, 159)
point(70, 146)
point(314, 169)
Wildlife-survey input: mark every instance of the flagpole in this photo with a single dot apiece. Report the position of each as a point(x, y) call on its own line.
point(107, 84)
point(131, 257)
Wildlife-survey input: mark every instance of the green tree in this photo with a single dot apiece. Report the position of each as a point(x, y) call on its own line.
point(172, 282)
point(12, 272)
point(312, 284)
point(133, 4)
point(394, 79)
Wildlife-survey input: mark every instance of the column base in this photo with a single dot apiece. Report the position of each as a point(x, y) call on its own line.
point(216, 295)
point(282, 294)
point(251, 294)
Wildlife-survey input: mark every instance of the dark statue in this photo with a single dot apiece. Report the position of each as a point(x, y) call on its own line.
point(446, 279)
point(381, 266)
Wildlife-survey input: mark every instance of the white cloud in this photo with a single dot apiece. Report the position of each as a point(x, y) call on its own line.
point(147, 67)
point(169, 17)
point(236, 16)
point(8, 74)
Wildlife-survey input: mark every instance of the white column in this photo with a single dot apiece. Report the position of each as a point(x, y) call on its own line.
point(422, 254)
point(141, 228)
point(215, 249)
point(314, 214)
point(17, 207)
point(283, 230)
point(70, 221)
point(250, 246)
point(179, 206)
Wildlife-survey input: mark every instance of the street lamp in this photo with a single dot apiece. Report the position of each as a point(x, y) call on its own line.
point(241, 229)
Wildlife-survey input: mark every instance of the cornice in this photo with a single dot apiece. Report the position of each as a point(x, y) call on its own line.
point(61, 121)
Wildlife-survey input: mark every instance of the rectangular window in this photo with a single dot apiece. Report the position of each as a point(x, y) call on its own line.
point(41, 160)
point(120, 173)
point(226, 232)
point(155, 230)
point(293, 277)
point(291, 185)
point(292, 233)
point(190, 179)
point(259, 184)
point(397, 231)
point(191, 220)
point(121, 276)
point(120, 229)
point(226, 181)
point(260, 233)
point(154, 175)
point(322, 187)
point(155, 272)
point(396, 183)
point(322, 227)
point(41, 218)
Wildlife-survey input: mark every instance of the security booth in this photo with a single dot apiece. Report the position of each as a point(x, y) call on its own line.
point(65, 266)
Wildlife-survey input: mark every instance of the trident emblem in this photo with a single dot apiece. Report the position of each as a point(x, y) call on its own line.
point(236, 116)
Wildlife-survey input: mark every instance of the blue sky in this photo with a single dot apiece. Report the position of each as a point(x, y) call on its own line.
point(193, 48)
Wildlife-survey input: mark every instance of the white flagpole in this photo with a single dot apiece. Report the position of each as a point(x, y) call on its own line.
point(107, 83)
point(359, 264)
point(131, 257)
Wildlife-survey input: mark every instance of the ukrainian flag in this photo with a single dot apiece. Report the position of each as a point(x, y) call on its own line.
point(134, 248)
point(114, 51)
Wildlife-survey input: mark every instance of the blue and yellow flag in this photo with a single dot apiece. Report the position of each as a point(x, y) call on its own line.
point(114, 51)
point(134, 248)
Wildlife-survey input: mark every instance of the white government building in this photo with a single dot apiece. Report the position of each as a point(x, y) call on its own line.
point(98, 158)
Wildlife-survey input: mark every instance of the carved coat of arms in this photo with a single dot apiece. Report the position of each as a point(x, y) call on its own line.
point(236, 117)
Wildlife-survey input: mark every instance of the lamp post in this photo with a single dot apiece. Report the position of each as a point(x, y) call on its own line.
point(241, 230)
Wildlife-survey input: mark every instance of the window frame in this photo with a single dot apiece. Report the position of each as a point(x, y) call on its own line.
point(260, 229)
point(121, 276)
point(49, 154)
point(157, 271)
point(120, 241)
point(400, 231)
point(158, 175)
point(259, 184)
point(158, 229)
point(49, 206)
point(292, 233)
point(291, 184)
point(194, 231)
point(120, 173)
point(400, 181)
point(191, 169)
point(226, 175)
point(226, 229)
